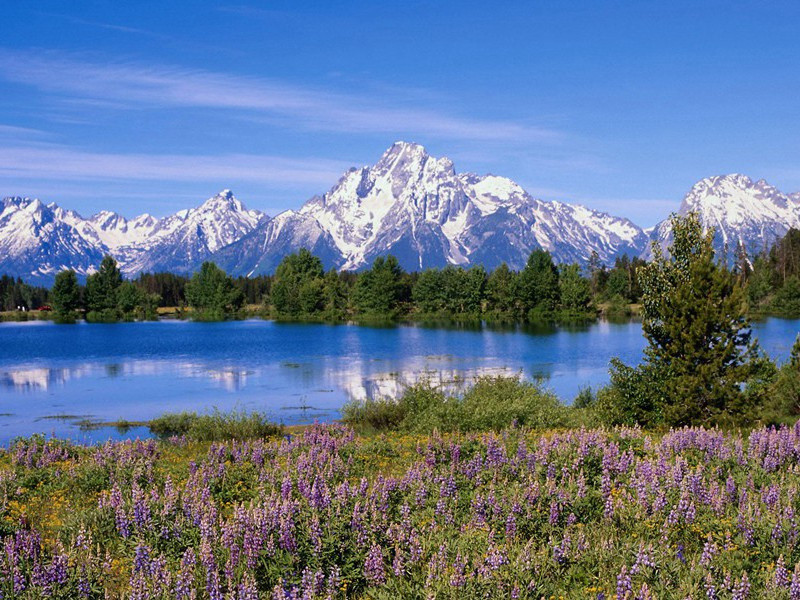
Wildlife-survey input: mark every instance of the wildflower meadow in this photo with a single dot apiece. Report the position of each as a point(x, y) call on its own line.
point(621, 513)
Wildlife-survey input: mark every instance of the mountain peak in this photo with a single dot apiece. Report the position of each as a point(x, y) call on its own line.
point(225, 200)
point(402, 153)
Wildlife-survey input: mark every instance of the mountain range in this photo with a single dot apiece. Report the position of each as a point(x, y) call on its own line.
point(409, 204)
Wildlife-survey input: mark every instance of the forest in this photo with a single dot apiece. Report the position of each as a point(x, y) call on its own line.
point(300, 289)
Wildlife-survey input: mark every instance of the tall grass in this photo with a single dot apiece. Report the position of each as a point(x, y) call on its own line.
point(235, 425)
point(491, 403)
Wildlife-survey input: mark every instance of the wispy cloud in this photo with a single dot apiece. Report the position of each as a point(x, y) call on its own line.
point(8, 132)
point(61, 163)
point(134, 86)
point(103, 25)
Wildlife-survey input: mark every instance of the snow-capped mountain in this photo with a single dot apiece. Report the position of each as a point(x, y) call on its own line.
point(409, 204)
point(181, 242)
point(418, 208)
point(744, 213)
point(38, 240)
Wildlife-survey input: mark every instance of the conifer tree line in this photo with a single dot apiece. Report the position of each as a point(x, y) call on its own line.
point(300, 288)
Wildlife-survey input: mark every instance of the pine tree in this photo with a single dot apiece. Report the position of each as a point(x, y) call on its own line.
point(212, 294)
point(501, 289)
point(380, 290)
point(298, 287)
point(101, 290)
point(65, 296)
point(538, 283)
point(694, 318)
point(575, 290)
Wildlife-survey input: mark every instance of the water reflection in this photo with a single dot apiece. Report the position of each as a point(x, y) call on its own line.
point(39, 378)
point(357, 379)
point(292, 372)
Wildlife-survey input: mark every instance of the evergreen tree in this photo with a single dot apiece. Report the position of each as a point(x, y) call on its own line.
point(617, 284)
point(538, 283)
point(428, 292)
point(169, 287)
point(101, 291)
point(694, 318)
point(501, 290)
point(65, 296)
point(759, 282)
point(575, 290)
point(381, 290)
point(298, 287)
point(211, 292)
point(335, 295)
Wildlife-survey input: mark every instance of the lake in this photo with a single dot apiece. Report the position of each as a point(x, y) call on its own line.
point(52, 377)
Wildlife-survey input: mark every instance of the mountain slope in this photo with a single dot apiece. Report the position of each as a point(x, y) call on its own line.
point(181, 242)
point(36, 243)
point(418, 208)
point(38, 240)
point(745, 213)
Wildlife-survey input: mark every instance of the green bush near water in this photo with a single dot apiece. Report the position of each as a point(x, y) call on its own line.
point(492, 403)
point(215, 426)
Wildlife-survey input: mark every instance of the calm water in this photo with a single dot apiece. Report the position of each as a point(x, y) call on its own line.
point(52, 377)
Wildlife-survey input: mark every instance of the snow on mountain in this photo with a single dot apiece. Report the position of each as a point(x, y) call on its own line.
point(747, 213)
point(418, 208)
point(409, 204)
point(179, 243)
point(38, 240)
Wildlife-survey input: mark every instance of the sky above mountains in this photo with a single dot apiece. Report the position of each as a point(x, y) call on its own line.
point(622, 106)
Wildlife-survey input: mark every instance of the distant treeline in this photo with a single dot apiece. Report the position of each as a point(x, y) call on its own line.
point(301, 289)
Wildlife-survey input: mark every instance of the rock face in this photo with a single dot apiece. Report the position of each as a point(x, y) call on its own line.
point(744, 213)
point(418, 208)
point(409, 204)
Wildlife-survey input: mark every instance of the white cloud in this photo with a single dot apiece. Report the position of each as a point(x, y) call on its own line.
point(62, 163)
point(134, 85)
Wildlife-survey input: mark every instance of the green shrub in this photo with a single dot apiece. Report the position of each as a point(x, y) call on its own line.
point(491, 403)
point(215, 426)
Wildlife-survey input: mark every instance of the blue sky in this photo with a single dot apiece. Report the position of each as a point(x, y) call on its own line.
point(621, 106)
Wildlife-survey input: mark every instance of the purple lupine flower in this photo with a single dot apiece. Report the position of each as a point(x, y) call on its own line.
point(794, 587)
point(458, 579)
point(624, 586)
point(711, 588)
point(709, 551)
point(373, 566)
point(781, 576)
point(680, 555)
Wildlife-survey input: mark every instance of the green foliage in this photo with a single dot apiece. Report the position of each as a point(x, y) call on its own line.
point(537, 284)
point(492, 403)
point(699, 352)
point(336, 296)
point(298, 288)
point(65, 296)
point(215, 426)
point(451, 290)
point(787, 299)
point(380, 291)
point(759, 282)
point(575, 291)
point(16, 294)
point(212, 294)
point(633, 397)
point(501, 288)
point(171, 288)
point(101, 287)
point(781, 389)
